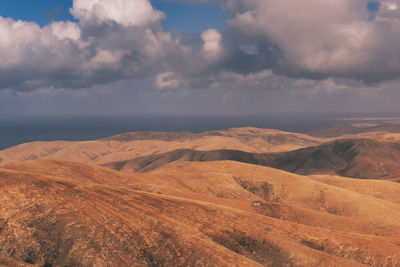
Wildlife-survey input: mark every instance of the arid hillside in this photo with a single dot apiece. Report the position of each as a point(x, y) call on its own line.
point(359, 130)
point(129, 145)
point(211, 199)
point(357, 158)
point(362, 154)
point(224, 213)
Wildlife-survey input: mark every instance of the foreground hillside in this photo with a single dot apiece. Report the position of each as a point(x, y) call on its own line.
point(357, 158)
point(194, 213)
point(129, 145)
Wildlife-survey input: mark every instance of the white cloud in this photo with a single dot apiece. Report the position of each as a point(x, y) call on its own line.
point(168, 80)
point(309, 40)
point(24, 45)
point(258, 80)
point(388, 10)
point(331, 38)
point(107, 58)
point(65, 30)
point(124, 12)
point(212, 44)
point(78, 55)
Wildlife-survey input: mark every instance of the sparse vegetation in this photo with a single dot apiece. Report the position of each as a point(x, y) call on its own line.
point(191, 209)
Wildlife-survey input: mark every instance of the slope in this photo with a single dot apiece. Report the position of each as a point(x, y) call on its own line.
point(210, 213)
point(357, 158)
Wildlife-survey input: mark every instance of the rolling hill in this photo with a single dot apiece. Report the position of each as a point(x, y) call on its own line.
point(363, 156)
point(236, 197)
point(356, 158)
point(358, 130)
point(136, 144)
point(193, 213)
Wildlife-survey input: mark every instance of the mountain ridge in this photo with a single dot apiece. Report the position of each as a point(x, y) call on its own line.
point(128, 145)
point(356, 158)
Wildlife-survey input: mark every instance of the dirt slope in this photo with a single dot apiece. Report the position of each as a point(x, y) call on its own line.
point(193, 213)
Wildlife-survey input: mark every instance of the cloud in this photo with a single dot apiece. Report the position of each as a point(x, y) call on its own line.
point(311, 40)
point(30, 55)
point(389, 11)
point(114, 40)
point(267, 42)
point(124, 12)
point(212, 44)
point(107, 59)
point(65, 30)
point(168, 80)
point(322, 39)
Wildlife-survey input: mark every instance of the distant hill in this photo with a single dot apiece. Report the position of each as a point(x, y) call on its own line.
point(148, 150)
point(357, 158)
point(360, 129)
point(136, 144)
point(56, 213)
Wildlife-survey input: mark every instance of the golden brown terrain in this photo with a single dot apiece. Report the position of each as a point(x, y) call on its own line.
point(360, 129)
point(137, 144)
point(357, 154)
point(189, 214)
point(182, 199)
point(364, 158)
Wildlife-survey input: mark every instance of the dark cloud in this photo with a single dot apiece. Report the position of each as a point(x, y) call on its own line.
point(268, 44)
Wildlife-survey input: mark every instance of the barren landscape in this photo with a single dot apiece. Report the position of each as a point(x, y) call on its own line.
point(199, 133)
point(217, 198)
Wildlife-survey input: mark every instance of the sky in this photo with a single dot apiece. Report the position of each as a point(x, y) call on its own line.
point(199, 57)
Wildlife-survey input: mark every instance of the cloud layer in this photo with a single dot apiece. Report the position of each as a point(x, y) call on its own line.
point(113, 40)
point(267, 41)
point(322, 39)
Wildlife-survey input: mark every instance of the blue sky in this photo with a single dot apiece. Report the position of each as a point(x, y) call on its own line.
point(180, 16)
point(191, 18)
point(42, 11)
point(373, 5)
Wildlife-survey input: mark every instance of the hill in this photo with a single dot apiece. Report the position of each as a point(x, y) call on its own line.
point(358, 130)
point(357, 158)
point(129, 145)
point(366, 155)
point(194, 213)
